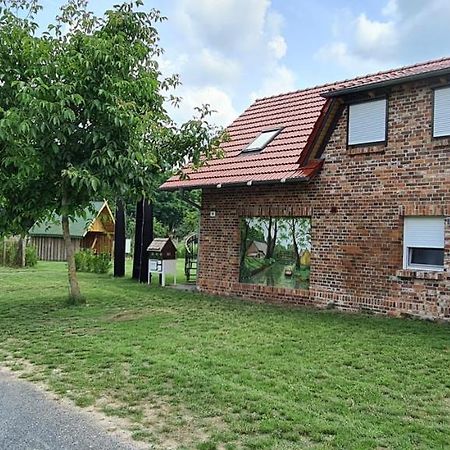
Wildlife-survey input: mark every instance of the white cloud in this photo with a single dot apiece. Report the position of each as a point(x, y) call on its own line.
point(277, 46)
point(391, 8)
point(169, 67)
point(280, 80)
point(228, 25)
point(412, 30)
point(214, 66)
point(371, 36)
point(339, 53)
point(218, 100)
point(229, 48)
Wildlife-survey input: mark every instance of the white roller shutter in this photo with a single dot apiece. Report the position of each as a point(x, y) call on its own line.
point(441, 125)
point(367, 122)
point(425, 232)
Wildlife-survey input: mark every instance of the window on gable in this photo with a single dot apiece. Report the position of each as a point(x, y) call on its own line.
point(441, 112)
point(367, 122)
point(423, 243)
point(262, 140)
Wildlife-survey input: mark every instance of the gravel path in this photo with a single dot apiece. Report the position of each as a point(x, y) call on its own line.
point(31, 420)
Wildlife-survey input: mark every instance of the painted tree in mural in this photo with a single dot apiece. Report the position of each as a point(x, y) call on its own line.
point(272, 231)
point(82, 114)
point(301, 237)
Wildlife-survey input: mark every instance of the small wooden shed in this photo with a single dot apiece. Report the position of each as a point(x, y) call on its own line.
point(95, 231)
point(257, 249)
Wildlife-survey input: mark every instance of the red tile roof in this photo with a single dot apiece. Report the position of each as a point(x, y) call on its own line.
point(297, 113)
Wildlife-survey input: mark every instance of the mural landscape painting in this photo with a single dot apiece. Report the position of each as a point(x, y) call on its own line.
point(276, 251)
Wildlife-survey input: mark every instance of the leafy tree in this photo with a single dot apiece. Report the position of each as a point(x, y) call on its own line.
point(301, 236)
point(82, 114)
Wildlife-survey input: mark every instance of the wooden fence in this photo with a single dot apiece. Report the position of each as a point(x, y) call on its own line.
point(52, 248)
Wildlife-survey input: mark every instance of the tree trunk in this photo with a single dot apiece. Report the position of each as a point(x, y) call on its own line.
point(274, 238)
point(119, 240)
point(74, 288)
point(138, 239)
point(269, 239)
point(21, 252)
point(4, 252)
point(147, 238)
point(294, 242)
point(244, 234)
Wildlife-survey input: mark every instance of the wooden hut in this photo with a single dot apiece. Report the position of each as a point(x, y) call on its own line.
point(95, 231)
point(257, 249)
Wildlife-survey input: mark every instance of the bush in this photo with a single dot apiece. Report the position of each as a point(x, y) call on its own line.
point(102, 263)
point(10, 255)
point(30, 256)
point(88, 261)
point(81, 259)
point(181, 250)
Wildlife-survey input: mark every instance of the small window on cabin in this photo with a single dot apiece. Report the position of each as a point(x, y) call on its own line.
point(367, 122)
point(423, 243)
point(441, 112)
point(262, 140)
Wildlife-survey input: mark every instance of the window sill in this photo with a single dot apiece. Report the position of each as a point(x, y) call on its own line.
point(421, 274)
point(366, 150)
point(439, 142)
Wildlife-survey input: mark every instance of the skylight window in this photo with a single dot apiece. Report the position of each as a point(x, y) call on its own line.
point(262, 140)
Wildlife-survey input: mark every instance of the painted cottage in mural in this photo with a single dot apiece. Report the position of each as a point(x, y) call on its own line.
point(347, 185)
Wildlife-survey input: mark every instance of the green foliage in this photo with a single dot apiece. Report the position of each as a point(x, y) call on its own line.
point(76, 300)
point(159, 229)
point(181, 250)
point(173, 214)
point(88, 261)
point(82, 259)
point(10, 254)
point(30, 256)
point(82, 113)
point(102, 263)
point(172, 210)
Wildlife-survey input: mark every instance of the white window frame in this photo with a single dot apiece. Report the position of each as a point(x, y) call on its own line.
point(265, 138)
point(422, 239)
point(357, 108)
point(443, 110)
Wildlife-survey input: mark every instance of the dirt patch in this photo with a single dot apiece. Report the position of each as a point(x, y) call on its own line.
point(163, 424)
point(135, 314)
point(120, 427)
point(167, 426)
point(124, 316)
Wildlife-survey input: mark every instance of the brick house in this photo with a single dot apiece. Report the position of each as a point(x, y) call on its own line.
point(362, 169)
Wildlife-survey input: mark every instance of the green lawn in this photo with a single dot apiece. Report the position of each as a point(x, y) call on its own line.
point(201, 372)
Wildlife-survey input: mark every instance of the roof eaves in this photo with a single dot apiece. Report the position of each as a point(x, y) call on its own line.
point(54, 235)
point(166, 186)
point(386, 83)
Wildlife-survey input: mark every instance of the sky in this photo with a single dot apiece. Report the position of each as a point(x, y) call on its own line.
point(230, 52)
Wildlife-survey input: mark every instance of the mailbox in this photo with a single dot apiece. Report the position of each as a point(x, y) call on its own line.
point(162, 259)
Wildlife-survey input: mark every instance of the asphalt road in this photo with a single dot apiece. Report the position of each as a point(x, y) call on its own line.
point(31, 420)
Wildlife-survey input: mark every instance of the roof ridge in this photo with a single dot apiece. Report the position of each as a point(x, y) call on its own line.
point(359, 77)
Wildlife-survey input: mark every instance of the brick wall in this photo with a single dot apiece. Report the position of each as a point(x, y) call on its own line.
point(357, 205)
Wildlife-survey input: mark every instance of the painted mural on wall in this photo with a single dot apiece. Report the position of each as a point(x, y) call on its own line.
point(276, 251)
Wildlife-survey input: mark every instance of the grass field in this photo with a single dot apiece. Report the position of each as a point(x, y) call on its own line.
point(192, 371)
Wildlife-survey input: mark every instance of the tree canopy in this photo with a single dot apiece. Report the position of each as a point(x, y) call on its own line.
point(83, 111)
